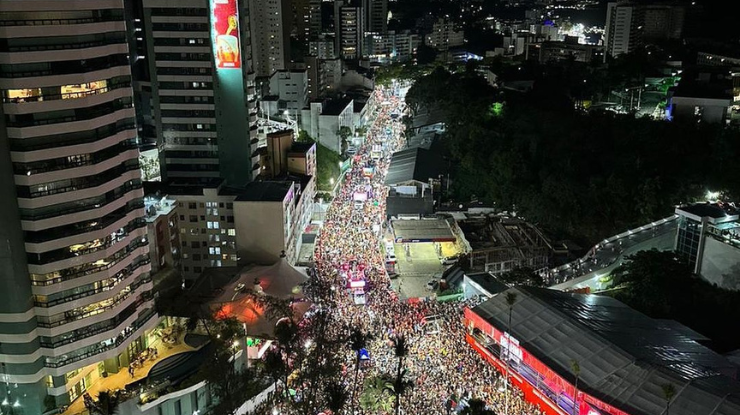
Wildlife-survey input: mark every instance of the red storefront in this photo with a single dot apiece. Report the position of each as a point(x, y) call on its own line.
point(587, 404)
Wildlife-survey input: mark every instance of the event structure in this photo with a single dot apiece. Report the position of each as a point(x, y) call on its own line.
point(613, 359)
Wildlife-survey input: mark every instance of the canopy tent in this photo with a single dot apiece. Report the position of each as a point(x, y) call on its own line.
point(280, 280)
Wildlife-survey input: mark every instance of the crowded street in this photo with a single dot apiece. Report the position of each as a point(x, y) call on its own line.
point(444, 370)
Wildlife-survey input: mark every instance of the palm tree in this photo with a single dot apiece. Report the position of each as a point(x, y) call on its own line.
point(399, 388)
point(357, 342)
point(576, 368)
point(336, 396)
point(510, 301)
point(107, 404)
point(377, 395)
point(669, 391)
point(401, 350)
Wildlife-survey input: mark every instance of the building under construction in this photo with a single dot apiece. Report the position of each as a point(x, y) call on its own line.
point(500, 244)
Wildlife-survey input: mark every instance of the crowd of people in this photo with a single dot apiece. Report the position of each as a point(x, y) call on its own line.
point(444, 369)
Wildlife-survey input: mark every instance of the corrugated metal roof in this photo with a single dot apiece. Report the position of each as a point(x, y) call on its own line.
point(625, 356)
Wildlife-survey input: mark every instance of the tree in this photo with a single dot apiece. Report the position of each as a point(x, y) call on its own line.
point(335, 396)
point(522, 276)
point(377, 395)
point(357, 341)
point(401, 351)
point(400, 387)
point(303, 137)
point(576, 368)
point(108, 403)
point(344, 133)
point(425, 54)
point(669, 391)
point(232, 384)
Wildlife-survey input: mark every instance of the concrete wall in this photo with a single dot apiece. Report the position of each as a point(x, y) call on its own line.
point(721, 264)
point(260, 231)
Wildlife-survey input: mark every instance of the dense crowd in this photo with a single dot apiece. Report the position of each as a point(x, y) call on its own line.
point(440, 363)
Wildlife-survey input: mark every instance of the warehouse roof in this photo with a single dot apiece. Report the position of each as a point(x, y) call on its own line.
point(625, 357)
point(422, 230)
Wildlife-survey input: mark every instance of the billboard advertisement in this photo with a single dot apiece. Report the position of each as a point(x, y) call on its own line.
point(225, 34)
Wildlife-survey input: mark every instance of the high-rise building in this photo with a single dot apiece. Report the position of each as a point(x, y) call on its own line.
point(270, 23)
point(203, 89)
point(74, 257)
point(349, 24)
point(376, 15)
point(629, 25)
point(300, 21)
point(444, 35)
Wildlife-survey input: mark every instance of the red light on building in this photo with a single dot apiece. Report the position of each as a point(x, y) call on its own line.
point(225, 28)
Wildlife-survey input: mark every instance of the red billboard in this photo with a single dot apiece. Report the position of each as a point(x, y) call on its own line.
point(225, 33)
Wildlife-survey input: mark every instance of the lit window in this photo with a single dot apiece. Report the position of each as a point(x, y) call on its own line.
point(232, 232)
point(82, 90)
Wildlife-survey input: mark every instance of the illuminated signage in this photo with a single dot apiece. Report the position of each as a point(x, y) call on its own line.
point(225, 33)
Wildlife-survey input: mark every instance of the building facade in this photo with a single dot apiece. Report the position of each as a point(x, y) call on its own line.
point(74, 256)
point(444, 35)
point(291, 90)
point(270, 23)
point(350, 26)
point(203, 90)
point(629, 25)
point(377, 15)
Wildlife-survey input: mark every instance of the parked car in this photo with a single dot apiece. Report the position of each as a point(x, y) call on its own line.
point(450, 260)
point(432, 285)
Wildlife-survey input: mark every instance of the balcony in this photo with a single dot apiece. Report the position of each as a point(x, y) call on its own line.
point(182, 356)
point(103, 346)
point(97, 308)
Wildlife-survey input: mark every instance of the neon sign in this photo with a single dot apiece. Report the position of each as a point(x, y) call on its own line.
point(225, 34)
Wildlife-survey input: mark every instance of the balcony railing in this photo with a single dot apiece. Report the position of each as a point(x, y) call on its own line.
point(75, 315)
point(123, 275)
point(87, 269)
point(104, 348)
point(124, 190)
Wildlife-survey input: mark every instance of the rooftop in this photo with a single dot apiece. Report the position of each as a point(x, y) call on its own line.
point(490, 231)
point(335, 106)
point(300, 147)
point(423, 230)
point(156, 206)
point(415, 164)
point(488, 282)
point(268, 191)
point(716, 212)
point(624, 356)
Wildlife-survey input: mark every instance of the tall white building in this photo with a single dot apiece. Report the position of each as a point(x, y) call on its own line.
point(621, 33)
point(444, 35)
point(630, 25)
point(270, 30)
point(203, 89)
point(76, 300)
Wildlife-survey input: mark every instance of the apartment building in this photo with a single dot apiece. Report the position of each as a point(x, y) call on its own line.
point(444, 35)
point(203, 89)
point(270, 23)
point(74, 256)
point(205, 221)
point(629, 24)
point(288, 94)
point(349, 25)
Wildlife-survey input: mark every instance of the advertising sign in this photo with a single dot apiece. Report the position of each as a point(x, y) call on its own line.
point(225, 31)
